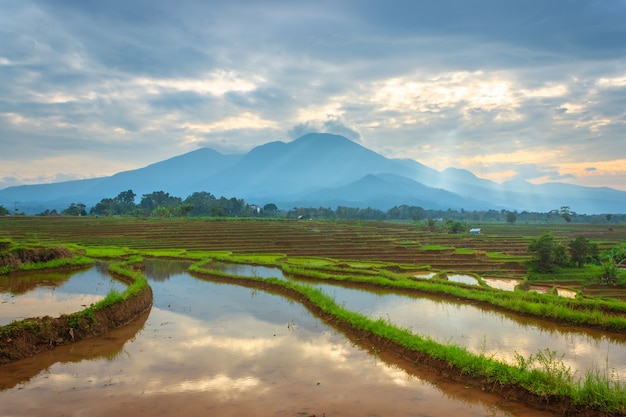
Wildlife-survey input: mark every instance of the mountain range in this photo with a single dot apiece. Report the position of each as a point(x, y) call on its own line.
point(318, 170)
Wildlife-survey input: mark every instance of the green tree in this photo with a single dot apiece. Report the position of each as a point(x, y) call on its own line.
point(75, 209)
point(202, 203)
point(566, 213)
point(456, 227)
point(270, 208)
point(608, 274)
point(156, 199)
point(548, 254)
point(183, 210)
point(126, 197)
point(582, 250)
point(3, 211)
point(511, 217)
point(106, 207)
point(161, 212)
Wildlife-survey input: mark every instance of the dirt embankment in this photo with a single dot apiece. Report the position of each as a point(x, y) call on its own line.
point(31, 336)
point(18, 257)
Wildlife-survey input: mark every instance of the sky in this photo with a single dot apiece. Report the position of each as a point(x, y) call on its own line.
point(517, 89)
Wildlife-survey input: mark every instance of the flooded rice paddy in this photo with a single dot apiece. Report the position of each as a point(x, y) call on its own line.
point(493, 333)
point(481, 330)
point(39, 294)
point(216, 349)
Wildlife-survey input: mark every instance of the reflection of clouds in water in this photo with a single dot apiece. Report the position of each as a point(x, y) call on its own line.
point(37, 304)
point(55, 294)
point(396, 375)
point(243, 337)
point(489, 332)
point(229, 365)
point(235, 358)
point(228, 388)
point(502, 284)
point(248, 347)
point(326, 350)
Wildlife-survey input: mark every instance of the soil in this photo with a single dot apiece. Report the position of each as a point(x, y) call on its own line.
point(20, 256)
point(34, 335)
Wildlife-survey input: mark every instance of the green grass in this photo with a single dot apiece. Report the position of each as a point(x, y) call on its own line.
point(590, 312)
point(436, 247)
point(543, 374)
point(10, 250)
point(137, 283)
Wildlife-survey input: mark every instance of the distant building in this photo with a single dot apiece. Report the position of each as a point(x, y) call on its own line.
point(475, 231)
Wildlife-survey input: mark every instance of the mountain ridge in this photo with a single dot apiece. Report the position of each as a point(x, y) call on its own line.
point(318, 169)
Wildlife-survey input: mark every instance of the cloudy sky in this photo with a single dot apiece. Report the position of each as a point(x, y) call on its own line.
point(528, 89)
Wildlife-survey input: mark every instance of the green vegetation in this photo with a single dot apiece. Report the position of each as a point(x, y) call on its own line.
point(160, 204)
point(28, 257)
point(378, 254)
point(592, 312)
point(543, 374)
point(46, 330)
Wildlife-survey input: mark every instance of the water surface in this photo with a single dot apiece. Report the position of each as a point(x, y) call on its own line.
point(224, 350)
point(37, 294)
point(488, 331)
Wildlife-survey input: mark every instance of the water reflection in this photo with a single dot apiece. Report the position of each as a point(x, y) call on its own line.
point(463, 279)
point(52, 294)
point(107, 347)
point(163, 269)
point(506, 284)
point(482, 330)
point(248, 270)
point(217, 349)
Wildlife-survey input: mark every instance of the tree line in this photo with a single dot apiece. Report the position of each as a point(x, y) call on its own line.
point(161, 204)
point(549, 255)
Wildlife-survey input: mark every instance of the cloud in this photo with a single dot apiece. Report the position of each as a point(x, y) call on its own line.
point(482, 86)
point(333, 124)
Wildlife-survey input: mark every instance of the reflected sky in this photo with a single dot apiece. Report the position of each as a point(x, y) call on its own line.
point(217, 349)
point(491, 332)
point(66, 293)
point(248, 270)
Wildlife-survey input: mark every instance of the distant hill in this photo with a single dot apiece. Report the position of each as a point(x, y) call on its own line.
point(318, 170)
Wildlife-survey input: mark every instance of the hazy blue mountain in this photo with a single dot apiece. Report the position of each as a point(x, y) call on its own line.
point(385, 191)
point(311, 162)
point(180, 176)
point(318, 170)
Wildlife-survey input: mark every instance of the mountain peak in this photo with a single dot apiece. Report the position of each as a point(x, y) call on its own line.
point(314, 168)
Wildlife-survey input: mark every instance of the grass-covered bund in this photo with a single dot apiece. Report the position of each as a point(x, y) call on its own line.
point(370, 254)
point(27, 337)
point(540, 380)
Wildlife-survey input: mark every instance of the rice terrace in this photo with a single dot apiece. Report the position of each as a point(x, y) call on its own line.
point(287, 317)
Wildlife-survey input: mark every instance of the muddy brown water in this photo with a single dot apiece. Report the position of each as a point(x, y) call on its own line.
point(209, 349)
point(44, 293)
